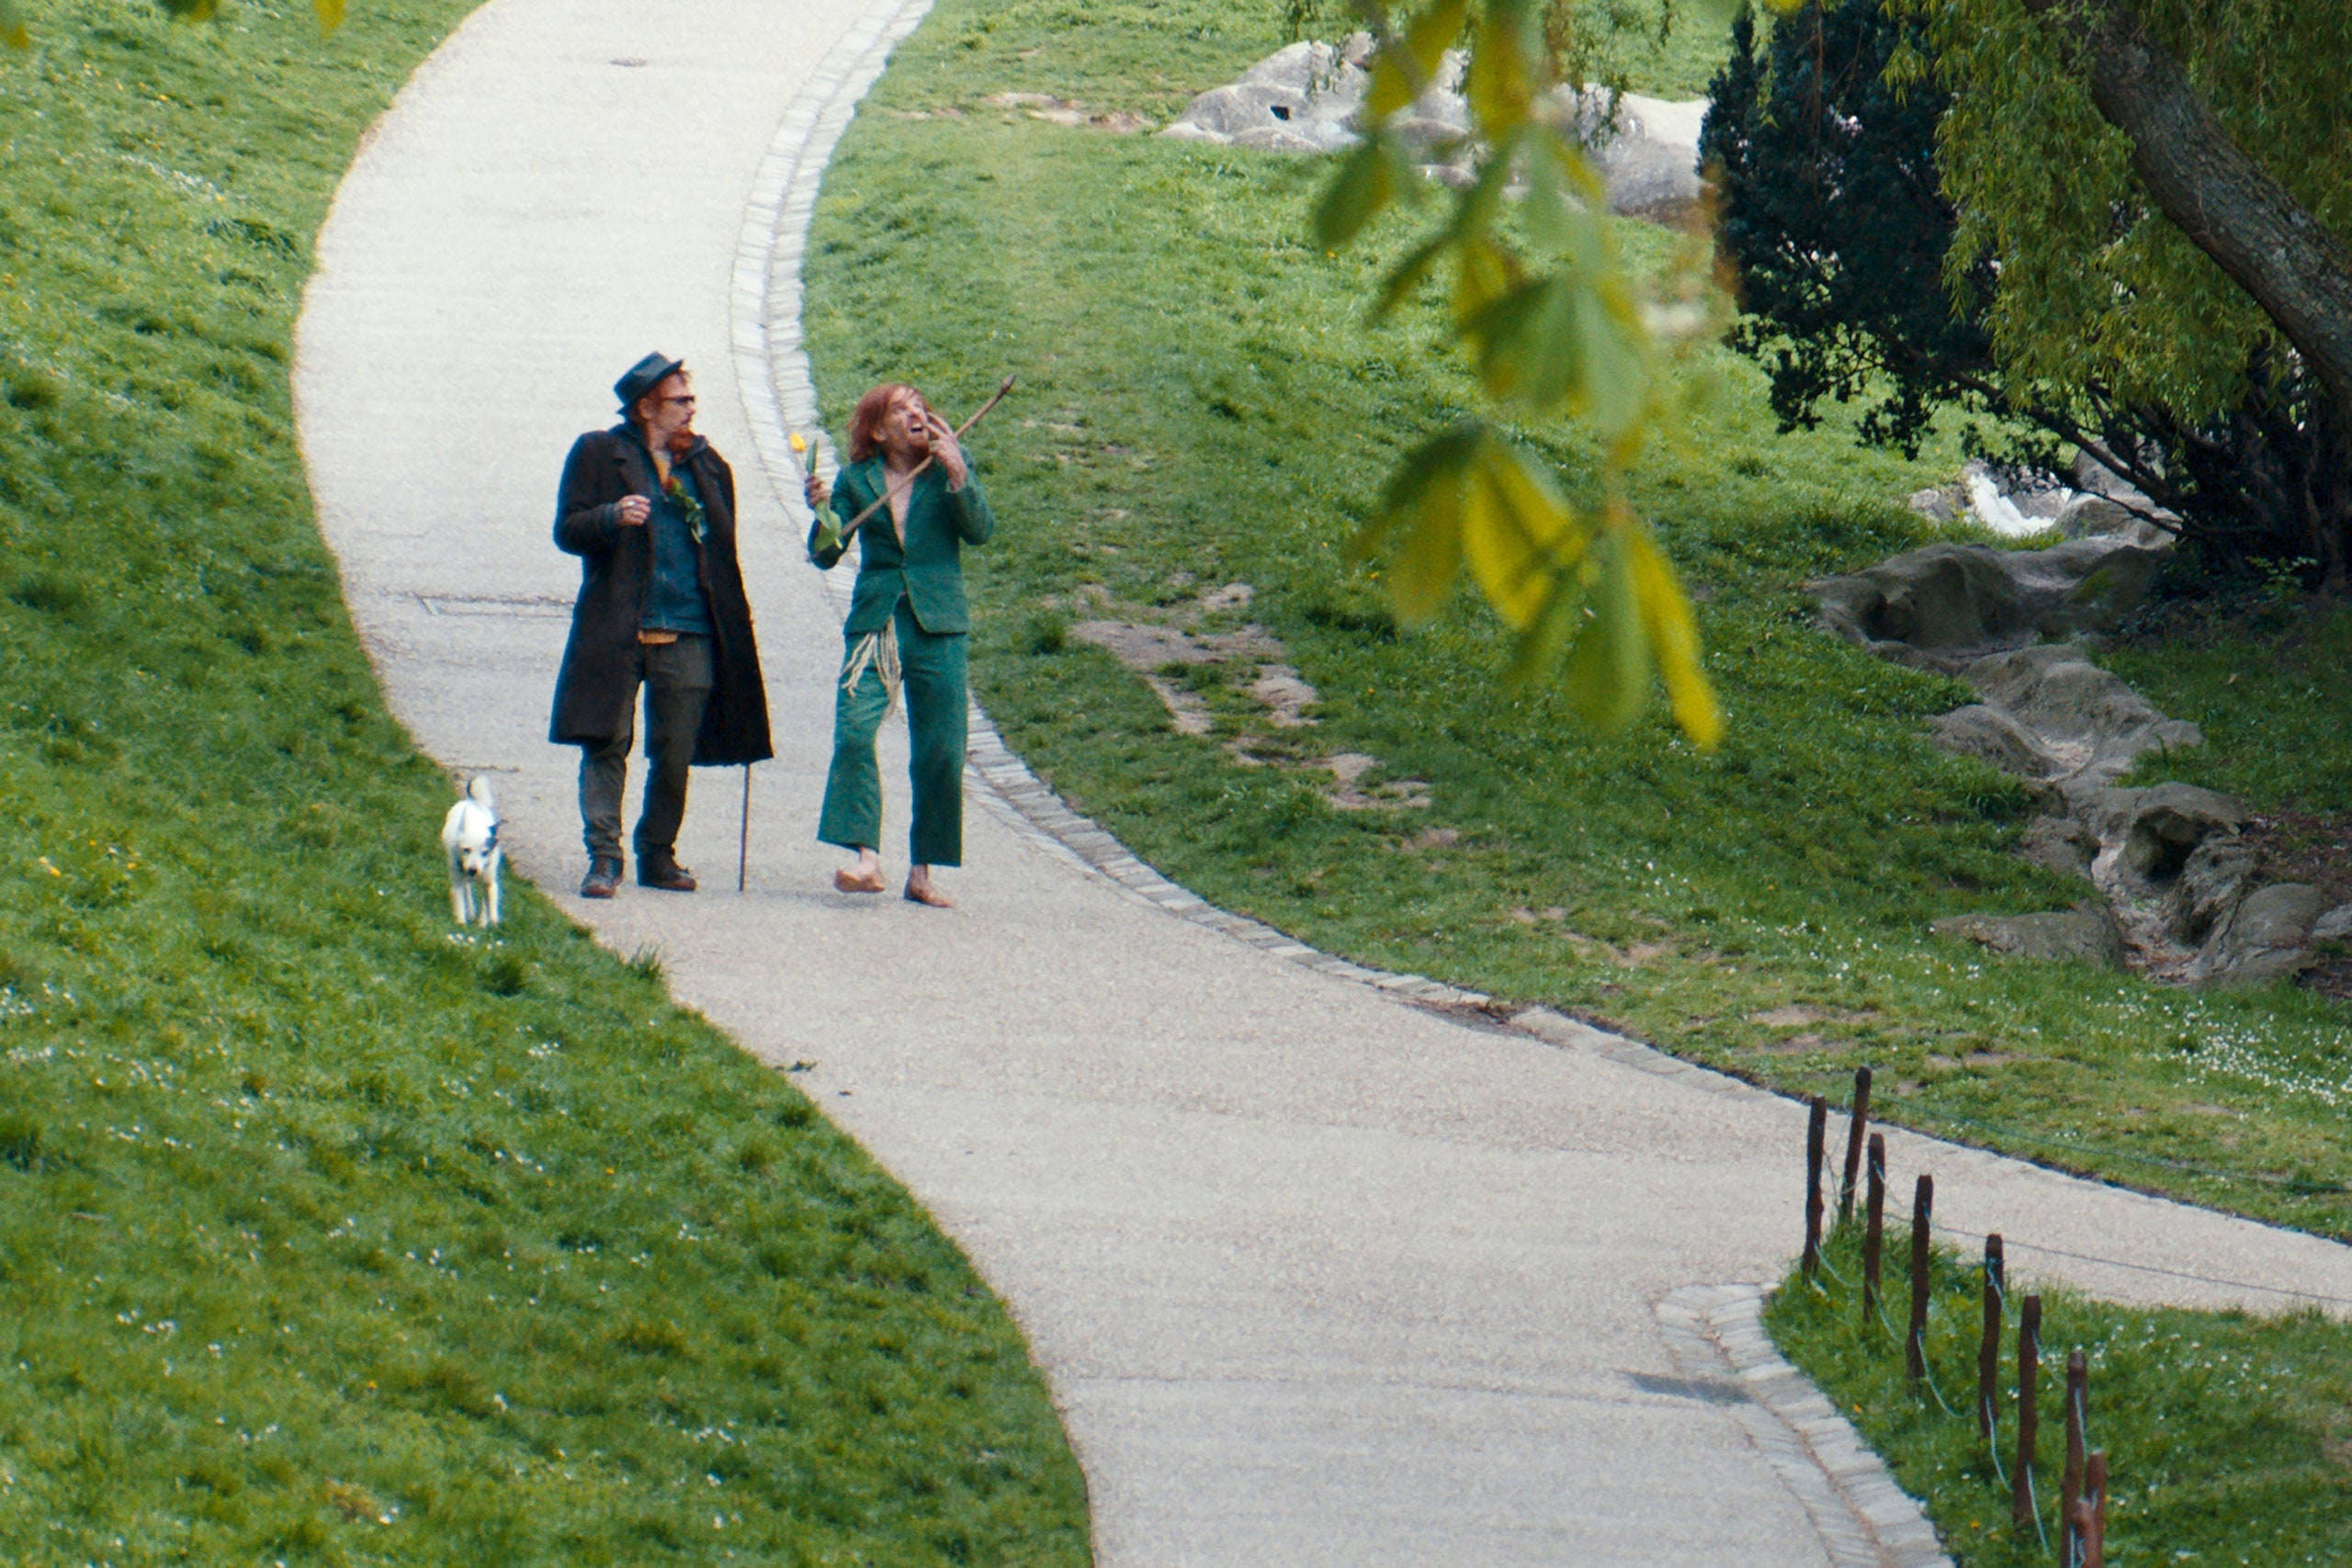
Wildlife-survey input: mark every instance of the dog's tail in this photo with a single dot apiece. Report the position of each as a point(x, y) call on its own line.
point(478, 791)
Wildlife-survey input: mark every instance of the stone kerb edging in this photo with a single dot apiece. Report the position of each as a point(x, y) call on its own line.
point(1715, 1334)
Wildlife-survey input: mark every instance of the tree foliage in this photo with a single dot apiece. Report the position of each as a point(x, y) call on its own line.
point(2165, 189)
point(1553, 323)
point(1823, 143)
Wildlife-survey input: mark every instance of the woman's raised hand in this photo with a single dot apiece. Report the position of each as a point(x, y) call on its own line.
point(950, 456)
point(814, 489)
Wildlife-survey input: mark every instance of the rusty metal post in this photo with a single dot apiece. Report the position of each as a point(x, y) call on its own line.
point(1873, 1225)
point(2070, 1486)
point(1857, 1122)
point(1915, 1343)
point(1988, 1352)
point(2029, 1411)
point(1816, 1134)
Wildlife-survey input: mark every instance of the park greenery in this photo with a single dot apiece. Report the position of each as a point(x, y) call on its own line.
point(1858, 281)
point(2227, 1434)
point(1204, 403)
point(327, 1234)
point(2165, 186)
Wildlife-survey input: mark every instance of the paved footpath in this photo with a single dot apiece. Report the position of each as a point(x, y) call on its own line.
point(1318, 1277)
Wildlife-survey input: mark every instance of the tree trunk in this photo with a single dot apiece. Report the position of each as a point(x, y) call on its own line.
point(2231, 208)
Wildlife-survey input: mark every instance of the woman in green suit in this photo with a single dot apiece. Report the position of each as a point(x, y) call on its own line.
point(908, 624)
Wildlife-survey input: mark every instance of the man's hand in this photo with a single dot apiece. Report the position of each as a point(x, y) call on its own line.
point(814, 489)
point(632, 510)
point(948, 455)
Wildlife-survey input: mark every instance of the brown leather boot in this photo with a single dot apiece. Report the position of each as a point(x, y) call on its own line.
point(603, 877)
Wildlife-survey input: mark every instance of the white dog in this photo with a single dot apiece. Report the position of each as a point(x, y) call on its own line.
point(471, 835)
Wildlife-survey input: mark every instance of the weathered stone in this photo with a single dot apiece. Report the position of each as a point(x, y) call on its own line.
point(2158, 828)
point(2265, 940)
point(2088, 516)
point(1937, 505)
point(2214, 882)
point(2059, 843)
point(2334, 925)
point(2083, 935)
point(1971, 598)
point(1993, 735)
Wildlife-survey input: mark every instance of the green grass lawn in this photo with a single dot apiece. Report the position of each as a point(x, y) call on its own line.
point(1203, 402)
point(326, 1233)
point(2229, 1438)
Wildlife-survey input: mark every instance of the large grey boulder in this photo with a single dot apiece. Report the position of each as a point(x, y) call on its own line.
point(2214, 880)
point(2152, 832)
point(2081, 935)
point(1306, 98)
point(2266, 939)
point(2089, 722)
point(1991, 736)
point(2059, 844)
point(1956, 601)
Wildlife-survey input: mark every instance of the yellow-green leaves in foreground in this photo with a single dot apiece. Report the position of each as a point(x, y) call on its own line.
point(16, 34)
point(1554, 324)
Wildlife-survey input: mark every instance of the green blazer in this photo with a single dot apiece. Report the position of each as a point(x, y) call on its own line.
point(927, 570)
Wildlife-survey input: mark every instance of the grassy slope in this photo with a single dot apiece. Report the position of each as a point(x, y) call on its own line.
point(2228, 1439)
point(1202, 402)
point(326, 1233)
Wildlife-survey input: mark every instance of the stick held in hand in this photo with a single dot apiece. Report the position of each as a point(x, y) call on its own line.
point(859, 520)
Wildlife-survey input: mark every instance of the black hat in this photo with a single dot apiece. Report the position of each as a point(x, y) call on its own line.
point(643, 376)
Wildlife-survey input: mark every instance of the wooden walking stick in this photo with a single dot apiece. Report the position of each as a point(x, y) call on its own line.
point(743, 848)
point(858, 522)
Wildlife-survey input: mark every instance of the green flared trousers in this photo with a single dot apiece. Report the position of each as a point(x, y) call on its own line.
point(934, 667)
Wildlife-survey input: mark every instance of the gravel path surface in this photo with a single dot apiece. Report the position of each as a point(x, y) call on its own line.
point(1318, 1277)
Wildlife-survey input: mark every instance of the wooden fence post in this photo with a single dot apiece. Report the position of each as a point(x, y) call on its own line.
point(1915, 1343)
point(1816, 1134)
point(1873, 1225)
point(1988, 1352)
point(2021, 1510)
point(2070, 1484)
point(1857, 1123)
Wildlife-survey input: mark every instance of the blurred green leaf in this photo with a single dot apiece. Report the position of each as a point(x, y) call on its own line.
point(1517, 534)
point(1366, 183)
point(1673, 635)
point(1424, 500)
point(1409, 64)
point(1506, 67)
point(1608, 677)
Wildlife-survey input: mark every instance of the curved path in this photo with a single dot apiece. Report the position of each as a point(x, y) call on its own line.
point(1318, 1277)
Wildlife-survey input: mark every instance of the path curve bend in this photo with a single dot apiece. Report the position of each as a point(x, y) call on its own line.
point(1318, 1277)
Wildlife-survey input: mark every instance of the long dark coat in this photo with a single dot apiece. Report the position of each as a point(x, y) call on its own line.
point(596, 693)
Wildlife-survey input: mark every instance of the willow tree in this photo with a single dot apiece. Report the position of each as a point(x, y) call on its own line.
point(2164, 188)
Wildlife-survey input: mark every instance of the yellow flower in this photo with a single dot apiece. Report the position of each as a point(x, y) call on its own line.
point(798, 445)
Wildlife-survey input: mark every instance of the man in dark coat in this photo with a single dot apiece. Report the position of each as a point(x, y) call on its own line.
point(650, 510)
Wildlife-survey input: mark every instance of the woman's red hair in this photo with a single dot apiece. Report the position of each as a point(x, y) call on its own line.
point(866, 424)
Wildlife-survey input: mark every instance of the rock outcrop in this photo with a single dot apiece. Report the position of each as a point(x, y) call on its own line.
point(2183, 895)
point(1306, 98)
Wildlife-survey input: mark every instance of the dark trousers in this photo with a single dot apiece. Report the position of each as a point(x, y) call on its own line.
point(936, 711)
point(677, 678)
